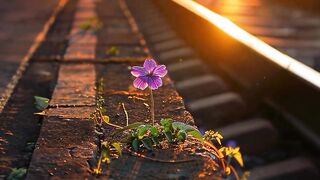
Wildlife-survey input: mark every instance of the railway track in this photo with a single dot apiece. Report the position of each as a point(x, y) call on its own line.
point(286, 27)
point(207, 95)
point(70, 60)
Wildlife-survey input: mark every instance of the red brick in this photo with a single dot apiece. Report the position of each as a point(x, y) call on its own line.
point(75, 85)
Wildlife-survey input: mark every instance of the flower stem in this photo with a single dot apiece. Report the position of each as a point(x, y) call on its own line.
point(125, 113)
point(152, 106)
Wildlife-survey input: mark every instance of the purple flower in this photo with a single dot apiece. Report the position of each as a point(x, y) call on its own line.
point(148, 75)
point(231, 143)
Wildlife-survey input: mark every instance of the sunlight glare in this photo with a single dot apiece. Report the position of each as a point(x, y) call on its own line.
point(251, 41)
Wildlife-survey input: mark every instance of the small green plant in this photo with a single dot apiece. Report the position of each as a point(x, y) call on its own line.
point(17, 174)
point(113, 51)
point(107, 151)
point(85, 26)
point(148, 136)
point(245, 175)
point(211, 135)
point(41, 103)
point(99, 113)
point(231, 153)
point(93, 24)
point(145, 135)
point(138, 136)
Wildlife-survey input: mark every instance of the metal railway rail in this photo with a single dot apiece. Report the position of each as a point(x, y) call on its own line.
point(246, 99)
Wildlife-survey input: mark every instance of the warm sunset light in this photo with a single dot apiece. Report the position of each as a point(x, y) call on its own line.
point(246, 38)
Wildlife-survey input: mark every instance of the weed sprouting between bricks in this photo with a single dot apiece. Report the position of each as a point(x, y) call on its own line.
point(92, 24)
point(17, 174)
point(137, 137)
point(113, 51)
point(41, 103)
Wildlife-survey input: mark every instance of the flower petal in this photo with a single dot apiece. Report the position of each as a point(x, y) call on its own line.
point(149, 65)
point(154, 82)
point(160, 70)
point(140, 83)
point(138, 71)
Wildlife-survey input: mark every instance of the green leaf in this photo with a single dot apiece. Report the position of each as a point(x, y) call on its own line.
point(182, 135)
point(238, 158)
point(167, 124)
point(228, 170)
point(41, 102)
point(168, 135)
point(135, 144)
point(117, 146)
point(105, 152)
point(153, 130)
point(212, 135)
point(182, 126)
point(85, 26)
point(17, 174)
point(218, 140)
point(147, 143)
point(155, 140)
point(106, 119)
point(92, 23)
point(142, 130)
point(196, 134)
point(113, 51)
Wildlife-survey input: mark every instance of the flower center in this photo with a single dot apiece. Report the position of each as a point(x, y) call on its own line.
point(151, 72)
